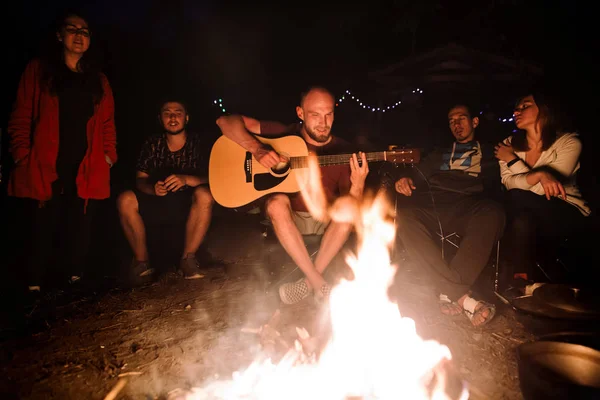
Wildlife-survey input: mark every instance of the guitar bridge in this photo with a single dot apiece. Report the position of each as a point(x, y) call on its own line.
point(248, 167)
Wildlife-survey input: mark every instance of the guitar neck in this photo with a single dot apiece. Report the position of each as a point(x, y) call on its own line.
point(338, 159)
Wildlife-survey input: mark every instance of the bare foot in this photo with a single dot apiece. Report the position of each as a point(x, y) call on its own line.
point(482, 314)
point(450, 309)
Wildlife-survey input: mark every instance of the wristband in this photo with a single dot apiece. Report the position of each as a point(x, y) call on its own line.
point(512, 162)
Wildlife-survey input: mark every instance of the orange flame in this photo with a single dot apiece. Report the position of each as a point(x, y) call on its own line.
point(309, 181)
point(373, 352)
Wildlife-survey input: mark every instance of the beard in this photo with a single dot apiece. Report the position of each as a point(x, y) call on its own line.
point(177, 132)
point(318, 137)
point(463, 136)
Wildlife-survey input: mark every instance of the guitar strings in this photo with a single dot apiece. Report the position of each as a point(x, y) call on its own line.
point(339, 159)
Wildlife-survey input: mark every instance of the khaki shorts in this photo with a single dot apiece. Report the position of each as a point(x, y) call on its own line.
point(307, 225)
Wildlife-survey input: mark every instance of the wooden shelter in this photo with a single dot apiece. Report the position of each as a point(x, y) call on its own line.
point(428, 84)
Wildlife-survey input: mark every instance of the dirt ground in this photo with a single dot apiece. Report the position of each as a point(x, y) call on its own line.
point(178, 334)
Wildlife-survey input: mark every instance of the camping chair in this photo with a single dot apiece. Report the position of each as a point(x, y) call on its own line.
point(453, 239)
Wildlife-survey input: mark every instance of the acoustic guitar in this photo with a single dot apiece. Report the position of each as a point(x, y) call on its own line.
point(236, 178)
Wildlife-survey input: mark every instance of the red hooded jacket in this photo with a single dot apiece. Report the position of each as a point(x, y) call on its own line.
point(34, 134)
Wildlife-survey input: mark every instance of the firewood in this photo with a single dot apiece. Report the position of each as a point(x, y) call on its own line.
point(115, 390)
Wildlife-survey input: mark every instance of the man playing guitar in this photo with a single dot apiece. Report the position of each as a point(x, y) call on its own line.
point(287, 212)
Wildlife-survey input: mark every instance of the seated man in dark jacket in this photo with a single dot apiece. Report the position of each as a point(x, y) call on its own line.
point(451, 192)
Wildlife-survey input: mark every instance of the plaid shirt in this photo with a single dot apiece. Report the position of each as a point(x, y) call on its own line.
point(158, 161)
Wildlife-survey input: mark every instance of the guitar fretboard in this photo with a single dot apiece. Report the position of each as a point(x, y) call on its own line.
point(338, 159)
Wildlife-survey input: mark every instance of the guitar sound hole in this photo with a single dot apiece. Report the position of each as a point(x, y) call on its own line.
point(281, 168)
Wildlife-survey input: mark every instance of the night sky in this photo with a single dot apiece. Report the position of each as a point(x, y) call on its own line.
point(258, 57)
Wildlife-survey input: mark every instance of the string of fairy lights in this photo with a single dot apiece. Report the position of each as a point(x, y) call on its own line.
point(219, 103)
point(370, 107)
point(348, 95)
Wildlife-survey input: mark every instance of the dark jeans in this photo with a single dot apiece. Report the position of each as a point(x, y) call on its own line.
point(60, 231)
point(479, 222)
point(536, 227)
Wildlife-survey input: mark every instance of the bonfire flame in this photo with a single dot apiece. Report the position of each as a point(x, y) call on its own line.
point(373, 352)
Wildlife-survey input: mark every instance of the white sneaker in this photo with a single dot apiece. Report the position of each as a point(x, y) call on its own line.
point(293, 292)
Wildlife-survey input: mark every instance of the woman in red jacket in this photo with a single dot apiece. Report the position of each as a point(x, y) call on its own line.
point(63, 141)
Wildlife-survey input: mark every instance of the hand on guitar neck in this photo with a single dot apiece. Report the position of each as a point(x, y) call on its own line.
point(359, 169)
point(238, 176)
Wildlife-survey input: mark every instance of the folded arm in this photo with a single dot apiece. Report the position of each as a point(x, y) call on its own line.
point(520, 176)
point(177, 181)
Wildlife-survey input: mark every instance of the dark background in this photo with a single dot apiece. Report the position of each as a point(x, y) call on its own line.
point(257, 57)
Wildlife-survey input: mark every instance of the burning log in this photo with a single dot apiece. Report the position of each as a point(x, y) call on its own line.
point(311, 345)
point(371, 351)
point(270, 339)
point(274, 344)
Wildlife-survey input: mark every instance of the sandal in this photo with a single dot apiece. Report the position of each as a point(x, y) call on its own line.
point(449, 307)
point(474, 310)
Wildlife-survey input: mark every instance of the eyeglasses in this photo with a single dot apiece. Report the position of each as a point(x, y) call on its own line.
point(73, 30)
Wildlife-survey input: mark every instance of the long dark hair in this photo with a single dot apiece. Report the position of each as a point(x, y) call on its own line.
point(552, 120)
point(53, 68)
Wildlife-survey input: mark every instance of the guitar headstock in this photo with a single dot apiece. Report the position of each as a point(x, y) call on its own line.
point(403, 156)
